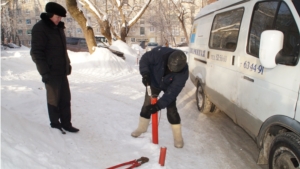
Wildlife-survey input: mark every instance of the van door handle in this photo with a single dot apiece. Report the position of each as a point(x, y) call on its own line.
point(248, 78)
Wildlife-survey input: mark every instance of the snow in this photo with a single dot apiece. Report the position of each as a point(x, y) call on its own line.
point(107, 95)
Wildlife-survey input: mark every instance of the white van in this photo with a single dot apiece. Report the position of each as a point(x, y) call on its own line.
point(244, 60)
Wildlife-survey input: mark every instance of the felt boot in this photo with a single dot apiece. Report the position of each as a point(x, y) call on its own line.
point(178, 140)
point(142, 128)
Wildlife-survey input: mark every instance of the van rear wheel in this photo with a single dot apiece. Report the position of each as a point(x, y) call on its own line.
point(285, 152)
point(203, 103)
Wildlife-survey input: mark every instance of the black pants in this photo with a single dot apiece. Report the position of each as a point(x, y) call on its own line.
point(172, 113)
point(59, 101)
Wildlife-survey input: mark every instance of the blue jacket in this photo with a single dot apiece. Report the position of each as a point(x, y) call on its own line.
point(155, 63)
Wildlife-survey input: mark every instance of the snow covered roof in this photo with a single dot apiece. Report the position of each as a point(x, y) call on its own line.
point(217, 6)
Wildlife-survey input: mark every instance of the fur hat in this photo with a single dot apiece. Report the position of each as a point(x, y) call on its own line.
point(177, 61)
point(55, 8)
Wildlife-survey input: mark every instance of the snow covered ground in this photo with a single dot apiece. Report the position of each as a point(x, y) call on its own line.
point(107, 95)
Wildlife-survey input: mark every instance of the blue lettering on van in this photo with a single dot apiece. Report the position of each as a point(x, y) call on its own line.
point(192, 39)
point(219, 57)
point(197, 52)
point(254, 67)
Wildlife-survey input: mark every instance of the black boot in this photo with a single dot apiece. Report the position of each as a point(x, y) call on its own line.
point(57, 126)
point(70, 129)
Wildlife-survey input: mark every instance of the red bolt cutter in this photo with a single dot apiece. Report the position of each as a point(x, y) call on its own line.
point(135, 163)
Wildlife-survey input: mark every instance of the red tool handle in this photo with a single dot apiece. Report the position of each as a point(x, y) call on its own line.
point(154, 123)
point(120, 165)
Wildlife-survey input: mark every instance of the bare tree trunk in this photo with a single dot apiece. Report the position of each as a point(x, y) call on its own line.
point(2, 36)
point(181, 20)
point(124, 30)
point(105, 31)
point(80, 18)
point(103, 24)
point(114, 33)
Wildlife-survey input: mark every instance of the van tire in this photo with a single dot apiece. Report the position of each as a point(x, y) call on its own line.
point(203, 103)
point(285, 146)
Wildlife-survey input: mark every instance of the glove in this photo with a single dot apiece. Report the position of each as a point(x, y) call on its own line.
point(146, 79)
point(153, 108)
point(45, 78)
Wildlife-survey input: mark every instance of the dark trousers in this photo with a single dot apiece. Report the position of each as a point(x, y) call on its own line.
point(172, 113)
point(59, 101)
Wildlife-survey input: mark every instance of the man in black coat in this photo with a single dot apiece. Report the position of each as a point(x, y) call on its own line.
point(163, 69)
point(48, 51)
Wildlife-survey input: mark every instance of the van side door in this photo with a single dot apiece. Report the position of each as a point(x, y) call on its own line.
point(263, 92)
point(222, 68)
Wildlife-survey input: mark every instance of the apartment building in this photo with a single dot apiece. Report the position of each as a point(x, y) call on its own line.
point(18, 18)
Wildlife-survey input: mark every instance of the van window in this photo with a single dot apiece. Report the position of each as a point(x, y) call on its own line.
point(225, 30)
point(274, 15)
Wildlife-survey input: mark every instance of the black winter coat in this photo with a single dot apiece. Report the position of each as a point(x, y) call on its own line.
point(48, 48)
point(155, 62)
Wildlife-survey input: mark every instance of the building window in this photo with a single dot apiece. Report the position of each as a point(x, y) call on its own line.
point(176, 30)
point(69, 19)
point(27, 11)
point(152, 28)
point(19, 21)
point(69, 33)
point(28, 21)
point(142, 30)
point(79, 30)
point(20, 32)
point(132, 39)
point(29, 32)
point(19, 12)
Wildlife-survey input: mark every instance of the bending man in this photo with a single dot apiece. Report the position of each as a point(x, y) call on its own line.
point(164, 69)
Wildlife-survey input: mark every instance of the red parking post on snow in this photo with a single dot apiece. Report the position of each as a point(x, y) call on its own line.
point(162, 156)
point(154, 123)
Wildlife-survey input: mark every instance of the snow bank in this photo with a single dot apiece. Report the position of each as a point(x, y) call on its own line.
point(102, 60)
point(130, 54)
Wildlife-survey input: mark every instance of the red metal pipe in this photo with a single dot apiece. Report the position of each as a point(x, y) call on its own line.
point(154, 123)
point(162, 156)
